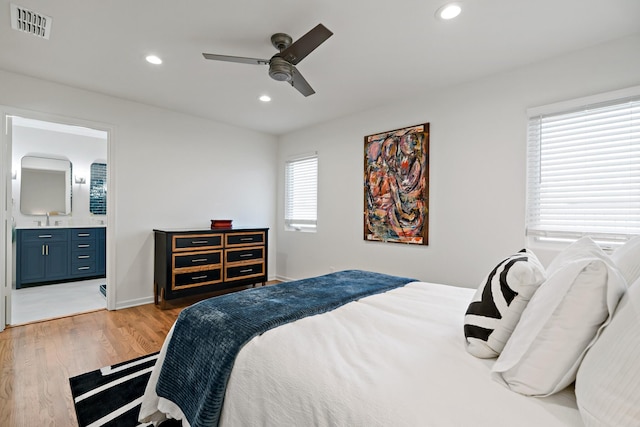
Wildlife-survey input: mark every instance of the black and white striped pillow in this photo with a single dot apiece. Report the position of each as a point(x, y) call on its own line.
point(499, 302)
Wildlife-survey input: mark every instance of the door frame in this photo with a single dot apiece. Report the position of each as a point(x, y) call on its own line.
point(6, 145)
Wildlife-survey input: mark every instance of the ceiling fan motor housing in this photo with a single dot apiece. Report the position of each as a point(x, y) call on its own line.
point(280, 70)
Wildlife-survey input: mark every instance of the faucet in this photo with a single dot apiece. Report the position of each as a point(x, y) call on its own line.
point(47, 219)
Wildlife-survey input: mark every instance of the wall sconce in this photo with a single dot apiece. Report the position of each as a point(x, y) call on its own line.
point(80, 180)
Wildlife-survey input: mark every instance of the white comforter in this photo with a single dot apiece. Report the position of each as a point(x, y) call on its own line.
point(393, 359)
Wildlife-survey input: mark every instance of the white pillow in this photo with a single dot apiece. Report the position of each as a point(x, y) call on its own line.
point(561, 321)
point(608, 380)
point(499, 301)
point(627, 259)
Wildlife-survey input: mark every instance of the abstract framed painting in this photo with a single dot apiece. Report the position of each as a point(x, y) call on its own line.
point(396, 186)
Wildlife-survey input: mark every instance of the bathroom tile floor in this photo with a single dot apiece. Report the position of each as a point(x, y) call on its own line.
point(58, 300)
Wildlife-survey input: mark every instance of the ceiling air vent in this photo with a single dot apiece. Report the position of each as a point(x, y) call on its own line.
point(30, 22)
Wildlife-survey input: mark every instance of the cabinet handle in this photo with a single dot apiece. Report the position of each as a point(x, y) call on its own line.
point(83, 246)
point(247, 270)
point(44, 236)
point(84, 234)
point(247, 239)
point(199, 242)
point(43, 250)
point(199, 260)
point(245, 255)
point(83, 268)
point(47, 250)
point(199, 277)
point(83, 256)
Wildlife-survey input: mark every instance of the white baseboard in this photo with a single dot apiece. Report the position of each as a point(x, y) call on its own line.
point(134, 302)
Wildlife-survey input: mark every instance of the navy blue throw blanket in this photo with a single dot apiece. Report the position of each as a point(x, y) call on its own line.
point(208, 335)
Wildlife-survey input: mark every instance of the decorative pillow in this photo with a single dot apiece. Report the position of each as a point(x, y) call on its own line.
point(561, 322)
point(627, 259)
point(608, 380)
point(499, 301)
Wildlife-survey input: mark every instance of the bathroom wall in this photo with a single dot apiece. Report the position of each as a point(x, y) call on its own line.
point(80, 150)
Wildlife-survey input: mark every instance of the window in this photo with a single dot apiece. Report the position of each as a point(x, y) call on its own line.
point(301, 193)
point(98, 189)
point(583, 171)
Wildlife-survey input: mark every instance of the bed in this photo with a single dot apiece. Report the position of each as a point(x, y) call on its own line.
point(397, 357)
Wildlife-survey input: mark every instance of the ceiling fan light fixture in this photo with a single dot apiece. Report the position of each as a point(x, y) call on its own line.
point(448, 11)
point(280, 70)
point(153, 59)
point(265, 98)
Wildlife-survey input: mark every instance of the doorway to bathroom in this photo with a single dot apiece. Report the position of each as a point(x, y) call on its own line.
point(58, 219)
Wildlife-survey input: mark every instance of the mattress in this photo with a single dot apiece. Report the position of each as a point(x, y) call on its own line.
point(396, 358)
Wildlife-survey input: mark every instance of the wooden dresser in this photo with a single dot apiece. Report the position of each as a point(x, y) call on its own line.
point(190, 262)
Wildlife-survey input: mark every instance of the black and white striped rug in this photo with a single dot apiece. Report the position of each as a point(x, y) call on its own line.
point(112, 396)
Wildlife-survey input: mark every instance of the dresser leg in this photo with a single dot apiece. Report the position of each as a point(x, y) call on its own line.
point(155, 293)
point(163, 304)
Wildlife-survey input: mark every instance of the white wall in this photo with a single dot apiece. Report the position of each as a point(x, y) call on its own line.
point(80, 150)
point(477, 176)
point(171, 171)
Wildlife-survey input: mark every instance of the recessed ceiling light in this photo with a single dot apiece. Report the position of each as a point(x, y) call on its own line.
point(448, 11)
point(265, 98)
point(152, 59)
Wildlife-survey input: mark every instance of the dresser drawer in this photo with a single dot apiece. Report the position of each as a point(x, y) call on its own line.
point(244, 238)
point(80, 234)
point(86, 245)
point(197, 259)
point(243, 271)
point(190, 242)
point(83, 257)
point(196, 278)
point(83, 268)
point(245, 254)
point(45, 235)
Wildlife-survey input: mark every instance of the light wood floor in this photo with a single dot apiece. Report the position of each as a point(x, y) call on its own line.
point(37, 360)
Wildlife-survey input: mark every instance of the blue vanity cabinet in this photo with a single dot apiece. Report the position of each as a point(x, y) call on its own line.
point(42, 255)
point(46, 255)
point(101, 251)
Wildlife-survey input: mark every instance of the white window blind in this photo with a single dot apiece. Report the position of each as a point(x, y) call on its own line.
point(301, 194)
point(583, 172)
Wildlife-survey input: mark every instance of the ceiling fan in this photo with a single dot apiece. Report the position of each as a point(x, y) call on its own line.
point(282, 64)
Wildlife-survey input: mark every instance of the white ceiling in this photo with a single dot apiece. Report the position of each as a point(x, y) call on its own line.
point(381, 51)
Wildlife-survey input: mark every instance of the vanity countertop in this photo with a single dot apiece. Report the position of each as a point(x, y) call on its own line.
point(35, 227)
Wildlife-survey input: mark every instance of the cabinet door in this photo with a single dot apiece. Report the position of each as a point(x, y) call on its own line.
point(57, 260)
point(32, 263)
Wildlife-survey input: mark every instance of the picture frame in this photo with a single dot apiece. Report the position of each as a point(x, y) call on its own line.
point(396, 186)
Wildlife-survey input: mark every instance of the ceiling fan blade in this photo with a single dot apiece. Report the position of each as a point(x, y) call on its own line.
point(240, 59)
point(306, 44)
point(300, 83)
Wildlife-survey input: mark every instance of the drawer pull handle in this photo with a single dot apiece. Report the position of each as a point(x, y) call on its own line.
point(83, 246)
point(247, 239)
point(83, 268)
point(246, 270)
point(199, 260)
point(83, 256)
point(199, 277)
point(84, 234)
point(245, 255)
point(199, 242)
point(44, 236)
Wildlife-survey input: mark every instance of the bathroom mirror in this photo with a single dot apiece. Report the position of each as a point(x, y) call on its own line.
point(45, 186)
